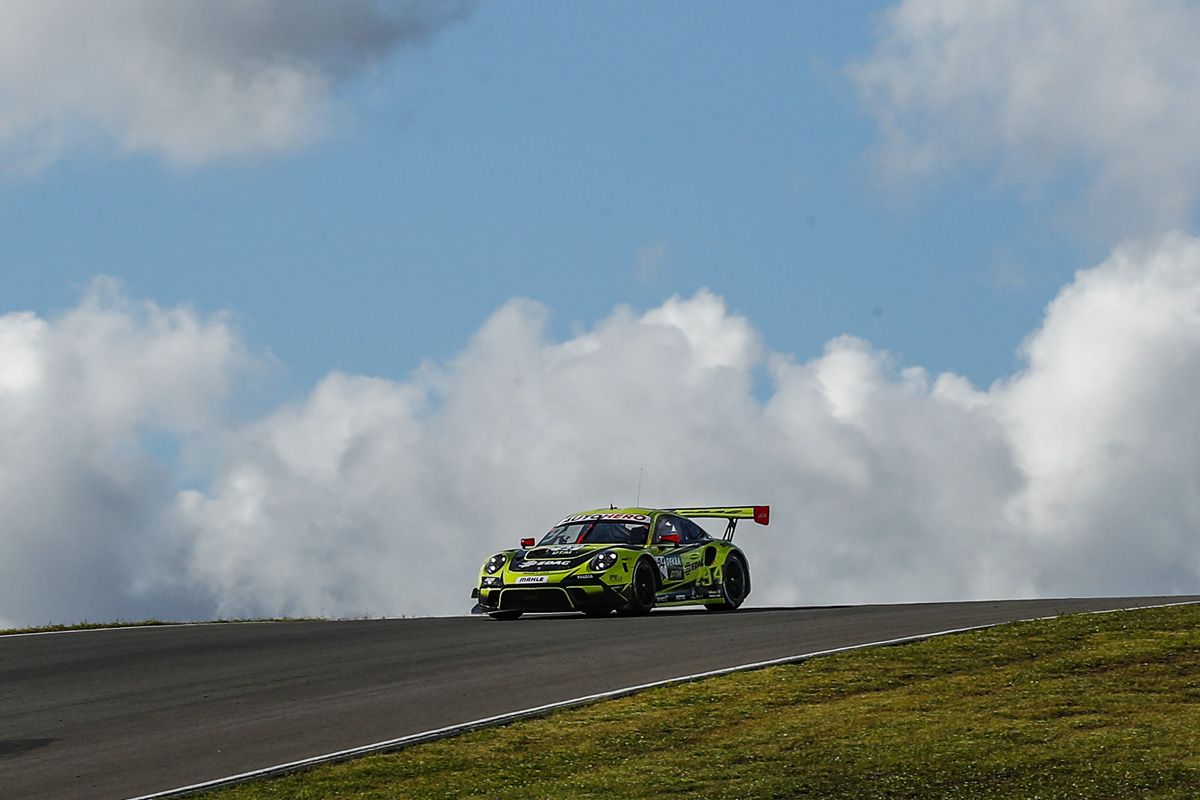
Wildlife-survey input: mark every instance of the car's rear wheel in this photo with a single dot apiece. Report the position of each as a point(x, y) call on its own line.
point(734, 585)
point(642, 589)
point(505, 615)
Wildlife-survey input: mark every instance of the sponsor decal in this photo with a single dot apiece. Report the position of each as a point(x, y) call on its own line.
point(578, 557)
point(671, 567)
point(612, 517)
point(532, 579)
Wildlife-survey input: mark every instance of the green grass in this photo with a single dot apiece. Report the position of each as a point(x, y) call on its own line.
point(1089, 706)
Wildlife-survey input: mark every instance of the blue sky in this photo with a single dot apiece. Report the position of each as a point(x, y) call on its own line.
point(535, 150)
point(392, 260)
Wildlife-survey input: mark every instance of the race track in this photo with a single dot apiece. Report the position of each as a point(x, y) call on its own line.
point(114, 714)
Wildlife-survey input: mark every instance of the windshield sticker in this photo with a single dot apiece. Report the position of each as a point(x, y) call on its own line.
point(610, 517)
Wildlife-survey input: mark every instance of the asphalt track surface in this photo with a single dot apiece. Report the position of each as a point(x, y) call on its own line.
point(120, 713)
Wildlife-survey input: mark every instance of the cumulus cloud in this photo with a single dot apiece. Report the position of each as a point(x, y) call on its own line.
point(189, 82)
point(1079, 474)
point(83, 400)
point(1106, 95)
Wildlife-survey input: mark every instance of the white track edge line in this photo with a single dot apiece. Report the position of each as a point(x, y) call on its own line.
point(214, 622)
point(403, 742)
point(114, 628)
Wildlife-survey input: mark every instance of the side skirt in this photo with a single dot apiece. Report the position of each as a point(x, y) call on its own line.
point(695, 601)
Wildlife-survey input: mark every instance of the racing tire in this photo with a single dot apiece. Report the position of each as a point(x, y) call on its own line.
point(505, 615)
point(642, 588)
point(733, 586)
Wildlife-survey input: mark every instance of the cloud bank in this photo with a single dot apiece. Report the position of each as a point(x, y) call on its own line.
point(1080, 474)
point(83, 399)
point(189, 82)
point(1105, 96)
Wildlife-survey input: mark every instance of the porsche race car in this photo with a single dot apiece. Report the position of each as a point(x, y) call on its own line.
point(627, 560)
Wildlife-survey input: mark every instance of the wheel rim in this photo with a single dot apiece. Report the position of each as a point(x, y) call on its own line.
point(643, 586)
point(735, 581)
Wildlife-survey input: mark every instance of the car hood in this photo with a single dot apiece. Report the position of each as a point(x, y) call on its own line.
point(557, 557)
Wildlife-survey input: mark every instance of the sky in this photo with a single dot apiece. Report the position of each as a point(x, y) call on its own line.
point(309, 307)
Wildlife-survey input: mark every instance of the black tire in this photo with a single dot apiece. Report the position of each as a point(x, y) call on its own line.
point(642, 588)
point(735, 583)
point(505, 615)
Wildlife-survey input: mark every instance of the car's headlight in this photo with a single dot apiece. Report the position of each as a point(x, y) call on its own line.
point(603, 561)
point(494, 563)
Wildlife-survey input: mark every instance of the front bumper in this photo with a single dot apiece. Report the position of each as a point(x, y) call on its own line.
point(563, 596)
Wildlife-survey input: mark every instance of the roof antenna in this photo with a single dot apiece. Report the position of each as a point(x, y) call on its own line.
point(638, 503)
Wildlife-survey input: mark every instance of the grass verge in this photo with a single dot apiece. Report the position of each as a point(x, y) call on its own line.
point(1088, 706)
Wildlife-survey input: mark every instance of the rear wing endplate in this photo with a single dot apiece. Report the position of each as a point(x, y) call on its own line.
point(760, 514)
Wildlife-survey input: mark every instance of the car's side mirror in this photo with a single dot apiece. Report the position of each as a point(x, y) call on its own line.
point(527, 543)
point(670, 538)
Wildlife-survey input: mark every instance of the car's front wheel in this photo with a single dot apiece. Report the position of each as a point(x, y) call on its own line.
point(642, 589)
point(505, 615)
point(734, 586)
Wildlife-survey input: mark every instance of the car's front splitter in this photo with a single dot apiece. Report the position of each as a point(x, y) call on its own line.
point(552, 597)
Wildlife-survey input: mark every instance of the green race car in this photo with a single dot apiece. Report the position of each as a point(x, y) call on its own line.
point(627, 560)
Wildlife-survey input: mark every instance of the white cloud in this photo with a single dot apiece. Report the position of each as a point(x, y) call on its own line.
point(1103, 94)
point(189, 82)
point(1107, 426)
point(82, 399)
point(1080, 474)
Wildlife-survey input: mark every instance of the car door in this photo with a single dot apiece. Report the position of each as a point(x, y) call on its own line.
point(677, 552)
point(692, 551)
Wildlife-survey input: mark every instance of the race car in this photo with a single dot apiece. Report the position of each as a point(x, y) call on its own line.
point(627, 560)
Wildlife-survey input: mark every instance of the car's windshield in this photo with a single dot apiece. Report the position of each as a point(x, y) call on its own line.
point(597, 532)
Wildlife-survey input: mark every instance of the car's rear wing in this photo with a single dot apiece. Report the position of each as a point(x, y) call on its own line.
point(760, 514)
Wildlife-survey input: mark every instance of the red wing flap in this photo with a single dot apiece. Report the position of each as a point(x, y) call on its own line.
point(760, 514)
